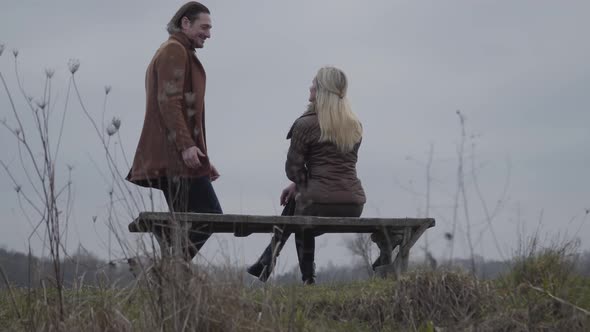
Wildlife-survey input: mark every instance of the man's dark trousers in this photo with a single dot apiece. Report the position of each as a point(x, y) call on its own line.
point(191, 195)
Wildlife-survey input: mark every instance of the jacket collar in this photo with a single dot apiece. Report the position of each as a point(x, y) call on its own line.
point(184, 40)
point(309, 112)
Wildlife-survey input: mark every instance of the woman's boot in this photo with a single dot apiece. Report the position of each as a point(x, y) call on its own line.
point(305, 244)
point(264, 266)
point(263, 262)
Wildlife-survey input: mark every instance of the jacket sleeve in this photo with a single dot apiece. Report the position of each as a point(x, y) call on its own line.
point(171, 71)
point(295, 164)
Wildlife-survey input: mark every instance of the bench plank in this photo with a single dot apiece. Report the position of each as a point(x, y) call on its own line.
point(247, 224)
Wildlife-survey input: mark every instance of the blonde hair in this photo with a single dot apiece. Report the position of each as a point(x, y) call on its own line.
point(338, 124)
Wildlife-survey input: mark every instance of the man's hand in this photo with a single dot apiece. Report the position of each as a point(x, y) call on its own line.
point(288, 193)
point(191, 157)
point(214, 173)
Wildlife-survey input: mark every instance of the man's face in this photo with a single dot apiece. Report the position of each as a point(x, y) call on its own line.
point(199, 30)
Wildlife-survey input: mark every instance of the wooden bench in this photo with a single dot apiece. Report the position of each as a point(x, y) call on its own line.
point(388, 233)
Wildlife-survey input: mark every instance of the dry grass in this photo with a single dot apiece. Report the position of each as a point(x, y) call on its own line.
point(173, 297)
point(181, 300)
point(452, 300)
point(447, 298)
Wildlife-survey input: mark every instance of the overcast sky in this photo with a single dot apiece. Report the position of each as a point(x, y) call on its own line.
point(517, 70)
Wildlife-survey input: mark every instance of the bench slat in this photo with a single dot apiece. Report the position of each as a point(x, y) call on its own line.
point(247, 224)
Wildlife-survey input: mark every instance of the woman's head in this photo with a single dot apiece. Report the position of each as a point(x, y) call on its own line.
point(329, 82)
point(338, 123)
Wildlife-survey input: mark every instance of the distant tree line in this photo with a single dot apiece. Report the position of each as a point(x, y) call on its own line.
point(84, 268)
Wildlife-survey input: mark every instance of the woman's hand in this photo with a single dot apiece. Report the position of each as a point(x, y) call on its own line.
point(288, 193)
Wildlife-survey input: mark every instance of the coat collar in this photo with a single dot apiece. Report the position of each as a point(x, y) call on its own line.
point(309, 112)
point(184, 40)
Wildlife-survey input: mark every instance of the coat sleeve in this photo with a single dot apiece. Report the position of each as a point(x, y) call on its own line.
point(295, 164)
point(171, 71)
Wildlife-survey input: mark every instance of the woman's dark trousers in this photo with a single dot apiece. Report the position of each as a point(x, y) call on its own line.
point(304, 240)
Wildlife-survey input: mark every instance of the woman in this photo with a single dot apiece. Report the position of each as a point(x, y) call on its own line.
point(321, 163)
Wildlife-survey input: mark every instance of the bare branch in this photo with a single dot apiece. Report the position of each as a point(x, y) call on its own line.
point(21, 192)
point(560, 300)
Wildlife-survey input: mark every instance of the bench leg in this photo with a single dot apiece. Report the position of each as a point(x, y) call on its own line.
point(387, 241)
point(172, 240)
point(403, 256)
point(162, 235)
point(400, 263)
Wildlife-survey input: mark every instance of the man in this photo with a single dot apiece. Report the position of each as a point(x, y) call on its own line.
point(172, 151)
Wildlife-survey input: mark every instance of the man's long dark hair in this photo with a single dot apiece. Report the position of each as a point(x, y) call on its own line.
point(190, 10)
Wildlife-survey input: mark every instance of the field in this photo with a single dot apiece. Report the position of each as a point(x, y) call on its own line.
point(540, 293)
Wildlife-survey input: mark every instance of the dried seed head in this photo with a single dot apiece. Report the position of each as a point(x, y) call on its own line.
point(189, 98)
point(41, 104)
point(15, 52)
point(49, 72)
point(111, 130)
point(73, 65)
point(116, 122)
point(107, 89)
point(17, 189)
point(1, 49)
